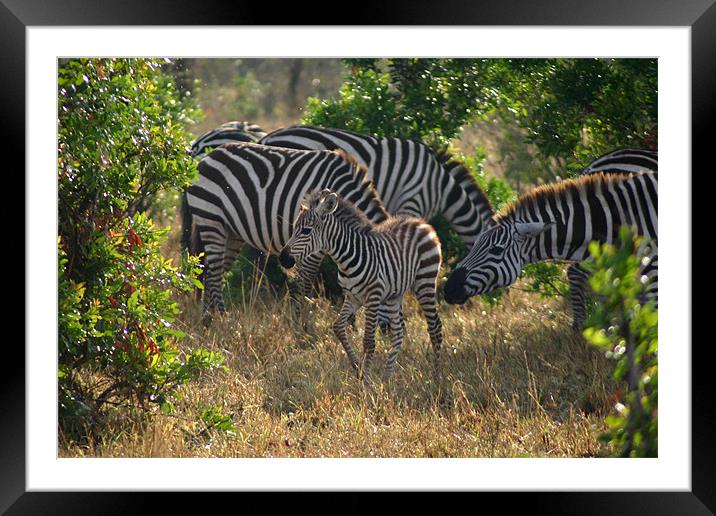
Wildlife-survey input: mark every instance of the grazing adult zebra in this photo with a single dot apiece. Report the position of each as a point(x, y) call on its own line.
point(248, 193)
point(618, 161)
point(230, 132)
point(377, 263)
point(558, 222)
point(411, 179)
point(624, 160)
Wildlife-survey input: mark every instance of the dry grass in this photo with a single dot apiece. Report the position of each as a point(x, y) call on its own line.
point(516, 383)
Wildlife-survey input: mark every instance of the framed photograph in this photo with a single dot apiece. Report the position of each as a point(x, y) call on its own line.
point(277, 406)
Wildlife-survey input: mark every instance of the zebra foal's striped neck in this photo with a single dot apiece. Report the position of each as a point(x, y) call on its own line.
point(329, 224)
point(556, 222)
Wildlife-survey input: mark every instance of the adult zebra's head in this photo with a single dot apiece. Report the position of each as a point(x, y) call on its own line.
point(495, 260)
point(307, 237)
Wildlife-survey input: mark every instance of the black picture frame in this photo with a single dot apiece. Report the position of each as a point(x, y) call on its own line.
point(700, 15)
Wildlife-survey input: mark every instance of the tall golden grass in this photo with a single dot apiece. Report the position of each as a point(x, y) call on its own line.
point(517, 382)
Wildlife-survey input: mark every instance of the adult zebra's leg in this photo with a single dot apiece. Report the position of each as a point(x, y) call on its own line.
point(577, 277)
point(214, 240)
point(397, 330)
point(231, 251)
point(339, 328)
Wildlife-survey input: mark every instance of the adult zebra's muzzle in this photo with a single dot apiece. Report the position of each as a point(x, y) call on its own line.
point(455, 291)
point(286, 260)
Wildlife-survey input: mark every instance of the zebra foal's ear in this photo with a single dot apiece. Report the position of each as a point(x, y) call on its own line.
point(329, 203)
point(532, 228)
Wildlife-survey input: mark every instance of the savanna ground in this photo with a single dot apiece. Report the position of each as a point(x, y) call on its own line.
point(517, 382)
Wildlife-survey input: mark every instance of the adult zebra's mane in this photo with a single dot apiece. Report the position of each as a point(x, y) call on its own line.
point(360, 170)
point(361, 173)
point(542, 194)
point(463, 176)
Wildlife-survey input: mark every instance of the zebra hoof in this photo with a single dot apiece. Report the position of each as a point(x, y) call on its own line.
point(206, 320)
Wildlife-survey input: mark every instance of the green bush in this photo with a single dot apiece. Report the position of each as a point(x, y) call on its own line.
point(422, 99)
point(121, 140)
point(627, 330)
point(577, 109)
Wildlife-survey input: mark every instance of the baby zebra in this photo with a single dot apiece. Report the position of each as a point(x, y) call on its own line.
point(377, 264)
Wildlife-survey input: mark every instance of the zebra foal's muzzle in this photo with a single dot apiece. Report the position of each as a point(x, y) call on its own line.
point(285, 258)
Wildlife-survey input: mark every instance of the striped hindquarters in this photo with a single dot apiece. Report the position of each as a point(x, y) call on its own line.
point(625, 160)
point(230, 132)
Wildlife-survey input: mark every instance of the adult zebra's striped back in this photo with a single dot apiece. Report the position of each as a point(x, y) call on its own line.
point(410, 178)
point(620, 161)
point(248, 193)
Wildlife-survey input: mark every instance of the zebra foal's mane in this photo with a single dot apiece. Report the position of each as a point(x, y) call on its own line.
point(346, 212)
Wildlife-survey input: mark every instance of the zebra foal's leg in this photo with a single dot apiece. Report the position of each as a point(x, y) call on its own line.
point(339, 328)
point(577, 277)
point(307, 271)
point(397, 330)
point(371, 319)
point(425, 292)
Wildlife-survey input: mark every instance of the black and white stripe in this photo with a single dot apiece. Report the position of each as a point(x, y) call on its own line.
point(250, 194)
point(411, 179)
point(624, 160)
point(629, 161)
point(377, 263)
point(230, 132)
point(558, 222)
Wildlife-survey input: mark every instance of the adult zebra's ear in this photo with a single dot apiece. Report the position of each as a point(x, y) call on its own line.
point(329, 203)
point(531, 229)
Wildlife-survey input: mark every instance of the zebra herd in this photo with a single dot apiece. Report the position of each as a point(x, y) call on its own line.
point(305, 192)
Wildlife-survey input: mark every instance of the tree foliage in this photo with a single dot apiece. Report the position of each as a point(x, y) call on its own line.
point(422, 99)
point(121, 139)
point(578, 109)
point(626, 328)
